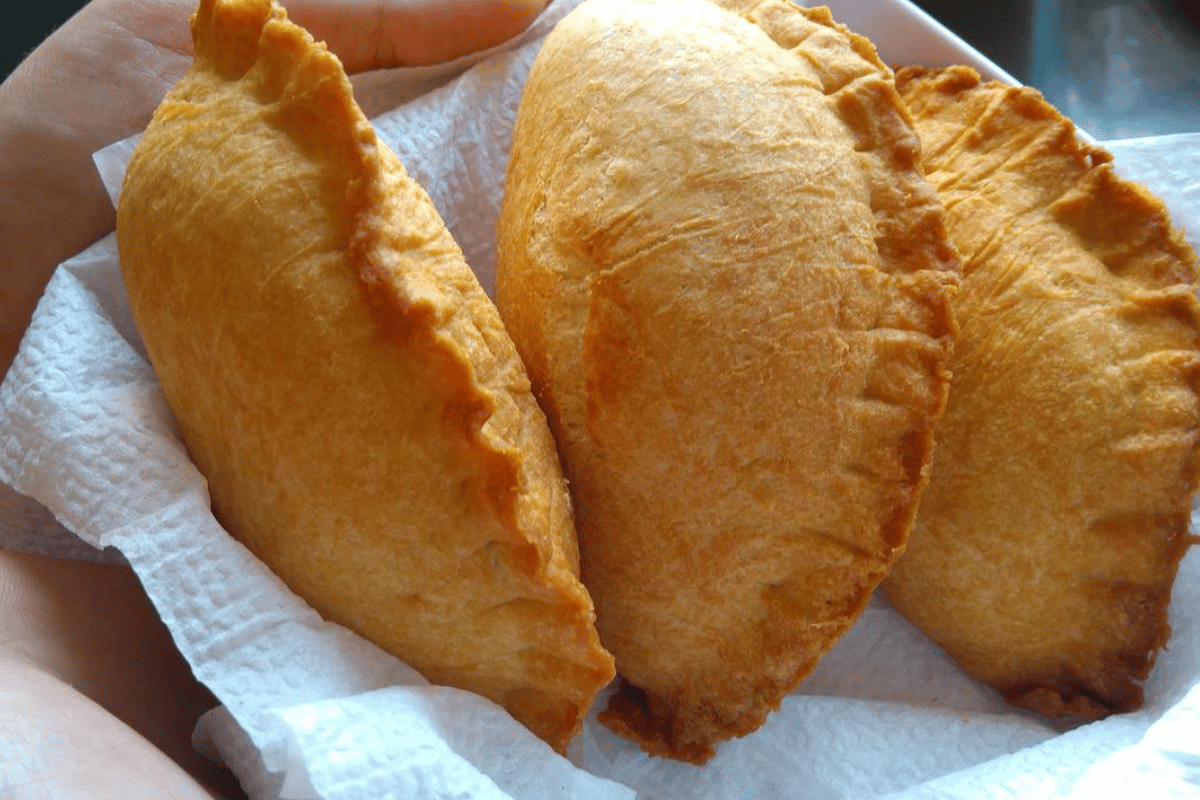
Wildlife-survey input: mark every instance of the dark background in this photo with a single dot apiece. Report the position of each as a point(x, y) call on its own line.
point(23, 30)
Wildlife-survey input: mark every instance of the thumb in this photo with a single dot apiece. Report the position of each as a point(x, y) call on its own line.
point(390, 33)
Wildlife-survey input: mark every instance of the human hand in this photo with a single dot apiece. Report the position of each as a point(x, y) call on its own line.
point(95, 701)
point(98, 79)
point(92, 690)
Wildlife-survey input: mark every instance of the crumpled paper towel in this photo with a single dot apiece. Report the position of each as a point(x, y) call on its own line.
point(310, 710)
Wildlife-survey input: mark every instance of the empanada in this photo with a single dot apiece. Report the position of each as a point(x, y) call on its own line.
point(343, 382)
point(1048, 539)
point(730, 284)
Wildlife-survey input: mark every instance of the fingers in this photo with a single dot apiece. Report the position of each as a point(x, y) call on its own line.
point(98, 78)
point(392, 33)
point(92, 627)
point(60, 744)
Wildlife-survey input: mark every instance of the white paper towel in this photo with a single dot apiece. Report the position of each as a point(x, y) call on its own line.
point(310, 710)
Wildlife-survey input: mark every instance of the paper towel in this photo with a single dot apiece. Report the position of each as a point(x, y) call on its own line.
point(310, 710)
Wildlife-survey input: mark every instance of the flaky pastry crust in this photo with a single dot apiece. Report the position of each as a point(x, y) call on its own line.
point(364, 422)
point(1048, 539)
point(730, 282)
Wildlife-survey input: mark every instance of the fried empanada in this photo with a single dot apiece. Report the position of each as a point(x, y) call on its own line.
point(1048, 539)
point(342, 381)
point(730, 283)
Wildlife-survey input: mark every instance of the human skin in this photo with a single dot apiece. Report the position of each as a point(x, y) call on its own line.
point(95, 701)
point(98, 78)
point(93, 694)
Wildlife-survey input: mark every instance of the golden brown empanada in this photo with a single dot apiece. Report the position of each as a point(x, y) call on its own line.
point(339, 376)
point(729, 282)
point(1049, 536)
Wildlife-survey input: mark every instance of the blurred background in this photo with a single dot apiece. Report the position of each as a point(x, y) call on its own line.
point(1119, 68)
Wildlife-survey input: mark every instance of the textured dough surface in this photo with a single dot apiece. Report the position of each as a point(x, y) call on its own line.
point(1057, 512)
point(362, 417)
point(729, 282)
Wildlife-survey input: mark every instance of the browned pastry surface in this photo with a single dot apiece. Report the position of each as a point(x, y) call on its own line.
point(1049, 536)
point(729, 280)
point(364, 422)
